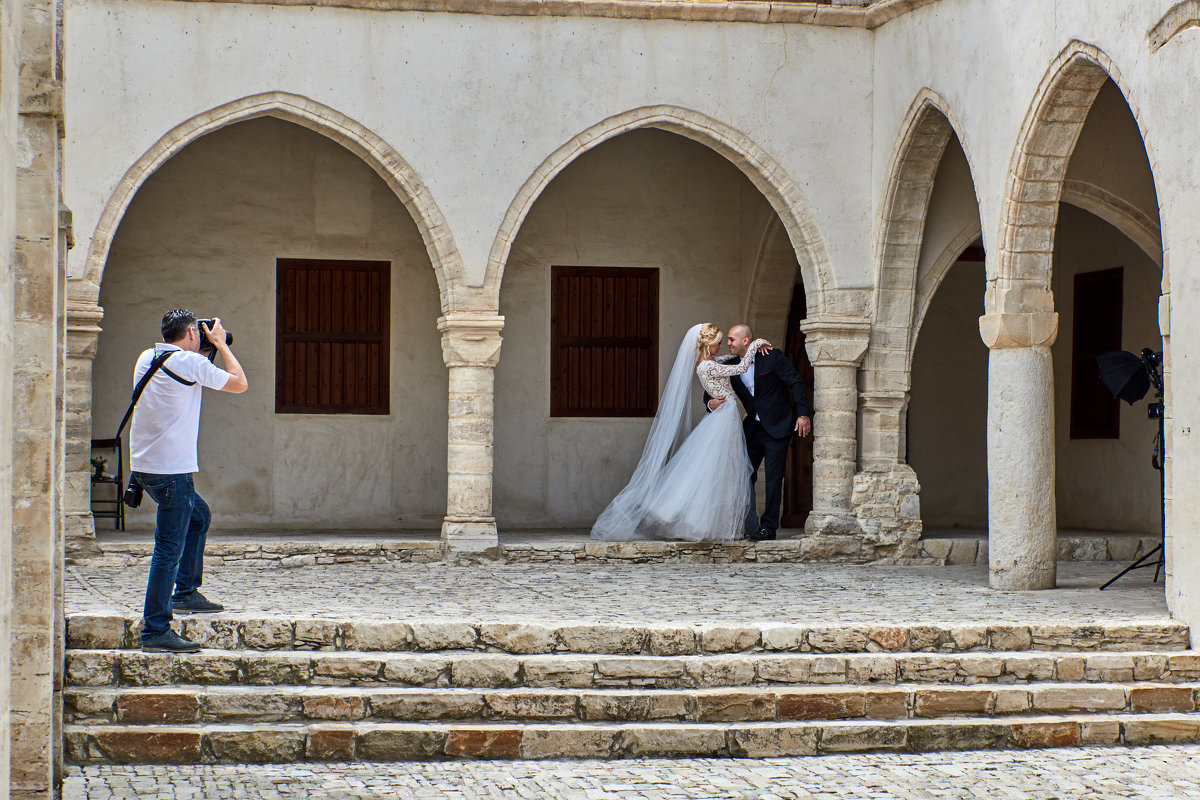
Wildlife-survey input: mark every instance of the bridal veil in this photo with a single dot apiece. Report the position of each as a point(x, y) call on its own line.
point(621, 521)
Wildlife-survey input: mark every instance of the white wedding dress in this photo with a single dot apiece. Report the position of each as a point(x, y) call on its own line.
point(692, 485)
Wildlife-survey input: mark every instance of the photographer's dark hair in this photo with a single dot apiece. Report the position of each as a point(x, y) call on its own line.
point(175, 324)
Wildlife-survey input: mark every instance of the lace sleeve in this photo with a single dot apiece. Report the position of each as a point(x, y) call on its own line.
point(729, 370)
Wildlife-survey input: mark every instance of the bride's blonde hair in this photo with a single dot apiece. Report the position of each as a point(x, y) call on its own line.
point(709, 335)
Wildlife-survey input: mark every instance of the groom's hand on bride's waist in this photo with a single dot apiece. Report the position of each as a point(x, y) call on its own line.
point(716, 403)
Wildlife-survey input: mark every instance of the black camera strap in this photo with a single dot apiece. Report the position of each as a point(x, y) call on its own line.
point(159, 362)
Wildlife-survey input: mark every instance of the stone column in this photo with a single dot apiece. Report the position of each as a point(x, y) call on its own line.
point(471, 348)
point(38, 323)
point(1022, 528)
point(83, 333)
point(835, 347)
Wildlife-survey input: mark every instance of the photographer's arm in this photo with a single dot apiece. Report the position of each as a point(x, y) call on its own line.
point(236, 384)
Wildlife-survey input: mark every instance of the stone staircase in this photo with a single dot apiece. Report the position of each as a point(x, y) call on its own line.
point(280, 690)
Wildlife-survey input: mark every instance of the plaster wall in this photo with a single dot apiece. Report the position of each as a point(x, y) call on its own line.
point(1109, 153)
point(647, 199)
point(953, 210)
point(473, 103)
point(204, 233)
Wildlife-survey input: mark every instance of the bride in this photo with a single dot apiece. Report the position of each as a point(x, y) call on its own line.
point(689, 484)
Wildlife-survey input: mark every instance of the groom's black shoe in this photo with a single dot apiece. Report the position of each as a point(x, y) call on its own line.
point(764, 534)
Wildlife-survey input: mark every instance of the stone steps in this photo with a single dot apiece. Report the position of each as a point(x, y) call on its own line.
point(307, 704)
point(283, 689)
point(582, 671)
point(284, 742)
point(243, 632)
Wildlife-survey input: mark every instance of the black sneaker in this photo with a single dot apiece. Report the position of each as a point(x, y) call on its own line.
point(195, 603)
point(169, 642)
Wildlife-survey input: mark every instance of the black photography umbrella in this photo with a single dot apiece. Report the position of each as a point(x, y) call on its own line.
point(1129, 377)
point(1125, 375)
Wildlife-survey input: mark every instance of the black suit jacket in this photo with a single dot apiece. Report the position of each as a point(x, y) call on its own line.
point(774, 378)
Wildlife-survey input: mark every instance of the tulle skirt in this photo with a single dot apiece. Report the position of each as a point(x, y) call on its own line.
point(701, 495)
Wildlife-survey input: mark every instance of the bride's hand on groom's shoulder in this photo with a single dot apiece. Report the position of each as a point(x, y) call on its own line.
point(765, 347)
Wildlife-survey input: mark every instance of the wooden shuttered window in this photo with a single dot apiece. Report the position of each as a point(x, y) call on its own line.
point(604, 342)
point(1096, 330)
point(332, 336)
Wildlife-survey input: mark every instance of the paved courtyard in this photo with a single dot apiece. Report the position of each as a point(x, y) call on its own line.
point(672, 592)
point(1093, 773)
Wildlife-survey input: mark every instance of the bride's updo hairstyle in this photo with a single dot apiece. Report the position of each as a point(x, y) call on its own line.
point(709, 335)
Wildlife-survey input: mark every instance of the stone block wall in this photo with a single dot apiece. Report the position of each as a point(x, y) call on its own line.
point(38, 317)
point(886, 502)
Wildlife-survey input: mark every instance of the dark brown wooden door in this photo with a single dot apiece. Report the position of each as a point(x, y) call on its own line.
point(798, 478)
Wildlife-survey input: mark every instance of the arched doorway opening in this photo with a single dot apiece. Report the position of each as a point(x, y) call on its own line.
point(645, 205)
point(945, 434)
point(211, 230)
point(1106, 281)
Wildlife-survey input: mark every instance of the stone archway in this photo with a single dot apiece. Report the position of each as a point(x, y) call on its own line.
point(84, 312)
point(1020, 324)
point(781, 191)
point(380, 156)
point(917, 157)
point(926, 132)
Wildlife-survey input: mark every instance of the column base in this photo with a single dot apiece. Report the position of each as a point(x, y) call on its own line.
point(831, 535)
point(79, 533)
point(887, 504)
point(832, 522)
point(470, 539)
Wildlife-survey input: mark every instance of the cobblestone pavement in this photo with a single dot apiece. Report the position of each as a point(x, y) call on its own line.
point(1099, 773)
point(672, 592)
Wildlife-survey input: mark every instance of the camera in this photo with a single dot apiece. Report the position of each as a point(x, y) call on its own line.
point(133, 495)
point(207, 348)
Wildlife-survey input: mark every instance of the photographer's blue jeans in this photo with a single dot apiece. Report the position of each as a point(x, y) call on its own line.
point(177, 566)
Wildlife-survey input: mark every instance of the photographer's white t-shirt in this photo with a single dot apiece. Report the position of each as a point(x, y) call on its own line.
point(166, 420)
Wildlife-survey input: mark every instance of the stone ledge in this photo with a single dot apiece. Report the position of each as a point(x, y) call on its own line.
point(283, 743)
point(230, 632)
point(871, 16)
point(269, 550)
point(113, 668)
point(306, 704)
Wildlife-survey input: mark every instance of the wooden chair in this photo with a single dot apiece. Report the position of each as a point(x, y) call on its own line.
point(102, 506)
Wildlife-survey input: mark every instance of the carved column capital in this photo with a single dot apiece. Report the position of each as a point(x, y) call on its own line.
point(836, 341)
point(1011, 330)
point(470, 340)
point(83, 327)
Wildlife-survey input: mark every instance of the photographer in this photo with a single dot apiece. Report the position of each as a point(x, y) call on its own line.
point(162, 458)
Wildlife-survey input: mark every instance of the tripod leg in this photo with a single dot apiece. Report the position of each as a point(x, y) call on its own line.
point(1131, 567)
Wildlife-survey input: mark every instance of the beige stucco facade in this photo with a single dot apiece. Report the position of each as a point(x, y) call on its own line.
point(739, 147)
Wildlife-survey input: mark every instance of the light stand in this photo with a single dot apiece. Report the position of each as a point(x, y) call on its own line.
point(1151, 361)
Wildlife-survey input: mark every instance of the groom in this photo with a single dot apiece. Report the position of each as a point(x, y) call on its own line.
point(771, 419)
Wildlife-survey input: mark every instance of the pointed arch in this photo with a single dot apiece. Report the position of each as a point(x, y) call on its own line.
point(783, 194)
point(381, 157)
point(915, 160)
point(1019, 278)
